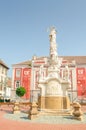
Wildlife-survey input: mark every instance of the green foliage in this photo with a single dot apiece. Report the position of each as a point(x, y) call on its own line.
point(1, 100)
point(20, 91)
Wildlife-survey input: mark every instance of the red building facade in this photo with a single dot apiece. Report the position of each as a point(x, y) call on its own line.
point(27, 73)
point(22, 77)
point(81, 81)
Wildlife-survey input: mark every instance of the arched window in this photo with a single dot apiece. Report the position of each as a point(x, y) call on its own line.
point(17, 84)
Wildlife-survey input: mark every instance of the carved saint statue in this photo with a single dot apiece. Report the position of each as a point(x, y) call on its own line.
point(52, 35)
point(41, 72)
point(66, 73)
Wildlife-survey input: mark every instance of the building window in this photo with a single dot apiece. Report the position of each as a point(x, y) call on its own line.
point(2, 69)
point(5, 71)
point(18, 73)
point(0, 87)
point(17, 84)
point(1, 79)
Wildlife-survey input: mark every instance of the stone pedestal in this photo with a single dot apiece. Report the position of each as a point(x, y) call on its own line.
point(33, 111)
point(54, 94)
point(54, 102)
point(16, 108)
point(77, 113)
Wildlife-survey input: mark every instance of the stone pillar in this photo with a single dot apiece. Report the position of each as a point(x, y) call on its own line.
point(33, 111)
point(41, 102)
point(77, 113)
point(16, 108)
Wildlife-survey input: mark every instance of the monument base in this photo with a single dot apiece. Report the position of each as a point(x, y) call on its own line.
point(50, 112)
point(54, 103)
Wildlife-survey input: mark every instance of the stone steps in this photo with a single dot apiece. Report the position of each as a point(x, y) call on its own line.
point(55, 112)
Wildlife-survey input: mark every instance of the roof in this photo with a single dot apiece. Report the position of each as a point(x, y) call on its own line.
point(24, 63)
point(3, 64)
point(77, 59)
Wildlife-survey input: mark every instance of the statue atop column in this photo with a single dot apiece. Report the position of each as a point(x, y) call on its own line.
point(53, 46)
point(52, 35)
point(53, 87)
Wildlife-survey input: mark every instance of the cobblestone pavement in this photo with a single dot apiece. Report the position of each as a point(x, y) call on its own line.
point(9, 121)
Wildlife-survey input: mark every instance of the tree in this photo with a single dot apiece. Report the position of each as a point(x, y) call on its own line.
point(20, 91)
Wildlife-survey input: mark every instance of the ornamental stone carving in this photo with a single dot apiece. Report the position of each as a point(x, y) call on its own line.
point(53, 88)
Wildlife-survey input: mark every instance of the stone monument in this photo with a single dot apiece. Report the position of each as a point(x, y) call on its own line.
point(54, 96)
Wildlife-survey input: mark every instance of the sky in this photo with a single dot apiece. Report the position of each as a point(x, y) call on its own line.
point(24, 26)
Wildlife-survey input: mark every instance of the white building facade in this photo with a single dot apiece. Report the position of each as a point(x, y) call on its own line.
point(5, 90)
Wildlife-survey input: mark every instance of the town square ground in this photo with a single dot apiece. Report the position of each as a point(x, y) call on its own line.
point(9, 121)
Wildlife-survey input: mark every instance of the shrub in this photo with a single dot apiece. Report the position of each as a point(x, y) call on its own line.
point(20, 91)
point(1, 100)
